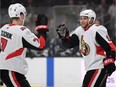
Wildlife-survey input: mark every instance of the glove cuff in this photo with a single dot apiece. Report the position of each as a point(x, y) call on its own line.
point(41, 27)
point(108, 61)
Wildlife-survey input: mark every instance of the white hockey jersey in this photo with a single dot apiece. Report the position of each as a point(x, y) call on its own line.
point(12, 56)
point(91, 51)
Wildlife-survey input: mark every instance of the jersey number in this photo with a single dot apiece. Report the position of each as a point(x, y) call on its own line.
point(4, 43)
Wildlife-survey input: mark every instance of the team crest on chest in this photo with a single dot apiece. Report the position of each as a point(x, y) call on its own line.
point(85, 49)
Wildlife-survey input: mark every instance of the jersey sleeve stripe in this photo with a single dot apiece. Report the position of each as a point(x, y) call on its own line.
point(113, 47)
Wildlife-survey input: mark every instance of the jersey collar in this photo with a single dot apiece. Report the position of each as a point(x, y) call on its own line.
point(12, 24)
point(87, 28)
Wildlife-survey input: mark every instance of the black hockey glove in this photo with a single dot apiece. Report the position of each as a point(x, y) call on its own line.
point(41, 23)
point(62, 31)
point(109, 65)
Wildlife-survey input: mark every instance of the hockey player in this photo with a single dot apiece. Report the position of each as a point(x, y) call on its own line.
point(14, 39)
point(96, 48)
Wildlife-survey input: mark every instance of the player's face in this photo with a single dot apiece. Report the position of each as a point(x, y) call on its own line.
point(84, 21)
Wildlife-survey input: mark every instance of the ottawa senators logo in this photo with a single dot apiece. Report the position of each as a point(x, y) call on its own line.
point(85, 49)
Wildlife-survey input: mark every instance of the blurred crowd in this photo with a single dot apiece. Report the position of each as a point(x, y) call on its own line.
point(51, 3)
point(65, 12)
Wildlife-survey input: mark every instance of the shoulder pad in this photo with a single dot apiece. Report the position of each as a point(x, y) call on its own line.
point(102, 27)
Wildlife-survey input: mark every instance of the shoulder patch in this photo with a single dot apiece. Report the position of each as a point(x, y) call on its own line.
point(23, 28)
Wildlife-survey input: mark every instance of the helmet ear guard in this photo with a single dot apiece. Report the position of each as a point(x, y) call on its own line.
point(91, 21)
point(89, 13)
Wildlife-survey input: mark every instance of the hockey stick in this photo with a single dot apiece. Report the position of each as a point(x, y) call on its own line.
point(105, 77)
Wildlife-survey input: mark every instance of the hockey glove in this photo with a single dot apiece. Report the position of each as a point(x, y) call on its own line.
point(41, 23)
point(109, 65)
point(62, 31)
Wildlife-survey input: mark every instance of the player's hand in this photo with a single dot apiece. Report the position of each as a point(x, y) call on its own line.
point(62, 31)
point(41, 23)
point(109, 65)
